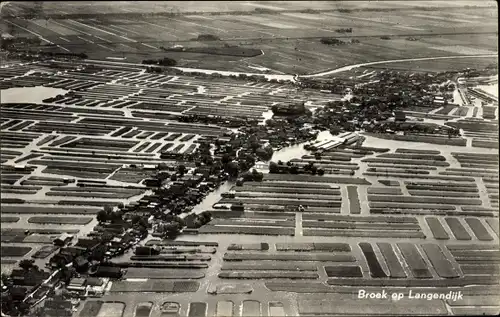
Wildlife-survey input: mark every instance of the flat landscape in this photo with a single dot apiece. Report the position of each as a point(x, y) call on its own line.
point(387, 179)
point(287, 34)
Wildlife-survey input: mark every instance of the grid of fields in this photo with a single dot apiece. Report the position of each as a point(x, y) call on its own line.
point(418, 212)
point(290, 42)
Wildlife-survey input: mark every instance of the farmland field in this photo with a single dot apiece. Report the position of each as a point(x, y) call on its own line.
point(290, 42)
point(416, 209)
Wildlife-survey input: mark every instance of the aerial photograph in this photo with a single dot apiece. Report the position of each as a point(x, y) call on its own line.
point(249, 158)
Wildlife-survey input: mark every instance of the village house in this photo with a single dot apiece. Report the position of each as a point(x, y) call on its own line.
point(63, 239)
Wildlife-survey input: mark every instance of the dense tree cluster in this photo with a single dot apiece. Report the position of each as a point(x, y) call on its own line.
point(331, 41)
point(207, 37)
point(296, 108)
point(344, 30)
point(161, 62)
point(291, 168)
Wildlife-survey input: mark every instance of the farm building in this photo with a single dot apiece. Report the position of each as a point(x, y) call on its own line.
point(63, 239)
point(77, 285)
point(96, 286)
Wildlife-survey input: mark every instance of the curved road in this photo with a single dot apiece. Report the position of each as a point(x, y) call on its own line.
point(349, 67)
point(295, 77)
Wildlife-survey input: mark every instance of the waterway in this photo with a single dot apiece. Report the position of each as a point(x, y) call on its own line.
point(29, 94)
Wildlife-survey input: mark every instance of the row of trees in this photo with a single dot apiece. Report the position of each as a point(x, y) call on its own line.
point(162, 62)
point(290, 168)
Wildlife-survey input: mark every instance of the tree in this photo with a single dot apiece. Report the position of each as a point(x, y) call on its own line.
point(232, 169)
point(102, 216)
point(26, 264)
point(5, 279)
point(321, 172)
point(257, 176)
point(162, 176)
point(136, 219)
point(280, 162)
point(273, 168)
point(254, 142)
point(294, 169)
point(108, 209)
point(308, 166)
point(225, 159)
point(289, 163)
point(314, 170)
point(162, 166)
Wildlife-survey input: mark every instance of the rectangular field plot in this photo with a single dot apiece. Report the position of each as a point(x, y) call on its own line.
point(153, 273)
point(315, 179)
point(303, 247)
point(437, 228)
point(479, 229)
point(268, 275)
point(369, 226)
point(249, 246)
point(268, 266)
point(257, 223)
point(349, 305)
point(458, 229)
point(343, 271)
point(393, 264)
point(376, 270)
point(354, 206)
point(155, 286)
point(439, 261)
point(7, 219)
point(60, 220)
point(8, 251)
point(415, 261)
point(289, 257)
point(48, 210)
